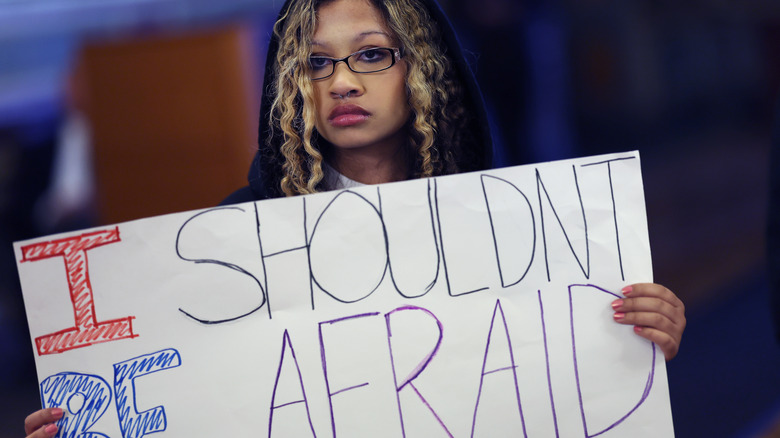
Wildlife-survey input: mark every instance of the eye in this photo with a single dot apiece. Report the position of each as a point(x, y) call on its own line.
point(373, 55)
point(318, 63)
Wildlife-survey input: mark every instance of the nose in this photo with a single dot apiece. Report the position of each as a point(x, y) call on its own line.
point(344, 82)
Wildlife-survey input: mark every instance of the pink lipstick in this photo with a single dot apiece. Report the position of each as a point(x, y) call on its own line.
point(348, 115)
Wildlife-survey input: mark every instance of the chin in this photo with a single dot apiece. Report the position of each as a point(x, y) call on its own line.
point(350, 142)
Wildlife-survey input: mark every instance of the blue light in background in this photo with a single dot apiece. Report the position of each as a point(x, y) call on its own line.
point(39, 39)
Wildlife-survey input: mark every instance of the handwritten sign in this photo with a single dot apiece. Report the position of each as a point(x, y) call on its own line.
point(468, 305)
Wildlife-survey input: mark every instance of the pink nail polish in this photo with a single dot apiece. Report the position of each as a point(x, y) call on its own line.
point(616, 304)
point(627, 290)
point(618, 316)
point(637, 329)
point(57, 413)
point(50, 429)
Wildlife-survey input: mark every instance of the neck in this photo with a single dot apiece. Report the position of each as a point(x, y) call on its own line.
point(370, 165)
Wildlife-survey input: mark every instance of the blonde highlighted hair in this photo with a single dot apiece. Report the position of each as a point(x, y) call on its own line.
point(439, 137)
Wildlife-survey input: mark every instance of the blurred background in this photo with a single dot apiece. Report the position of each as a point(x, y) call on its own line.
point(117, 110)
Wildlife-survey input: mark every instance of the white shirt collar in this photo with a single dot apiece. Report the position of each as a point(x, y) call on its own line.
point(336, 181)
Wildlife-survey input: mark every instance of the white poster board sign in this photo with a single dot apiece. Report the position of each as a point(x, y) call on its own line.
point(468, 305)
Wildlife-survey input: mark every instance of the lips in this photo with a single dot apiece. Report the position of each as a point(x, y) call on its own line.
point(348, 115)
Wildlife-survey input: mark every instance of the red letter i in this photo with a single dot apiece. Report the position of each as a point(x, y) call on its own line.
point(87, 330)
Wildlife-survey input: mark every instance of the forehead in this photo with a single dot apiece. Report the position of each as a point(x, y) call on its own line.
point(344, 21)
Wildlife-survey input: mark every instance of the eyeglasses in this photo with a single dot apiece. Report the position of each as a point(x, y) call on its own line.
point(363, 61)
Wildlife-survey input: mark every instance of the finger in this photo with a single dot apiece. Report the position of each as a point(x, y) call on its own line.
point(37, 419)
point(652, 320)
point(669, 346)
point(653, 290)
point(651, 305)
point(46, 431)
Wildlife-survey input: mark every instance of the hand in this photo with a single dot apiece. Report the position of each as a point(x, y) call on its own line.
point(40, 424)
point(656, 314)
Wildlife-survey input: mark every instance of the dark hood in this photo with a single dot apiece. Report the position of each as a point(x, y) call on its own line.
point(266, 170)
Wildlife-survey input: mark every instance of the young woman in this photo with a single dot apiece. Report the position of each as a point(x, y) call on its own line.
point(364, 92)
point(370, 91)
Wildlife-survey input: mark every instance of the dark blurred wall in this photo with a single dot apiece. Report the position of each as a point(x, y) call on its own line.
point(619, 73)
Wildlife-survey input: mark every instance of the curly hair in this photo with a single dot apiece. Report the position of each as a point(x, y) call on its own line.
point(439, 137)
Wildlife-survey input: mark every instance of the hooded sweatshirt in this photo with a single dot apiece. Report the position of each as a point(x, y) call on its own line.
point(265, 173)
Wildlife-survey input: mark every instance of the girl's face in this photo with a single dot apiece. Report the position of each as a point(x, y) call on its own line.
point(365, 111)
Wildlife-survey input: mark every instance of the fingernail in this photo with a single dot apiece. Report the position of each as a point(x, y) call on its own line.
point(637, 329)
point(57, 412)
point(51, 429)
point(627, 290)
point(618, 316)
point(616, 304)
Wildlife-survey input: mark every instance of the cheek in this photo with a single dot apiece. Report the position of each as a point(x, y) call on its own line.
point(317, 101)
point(398, 94)
point(403, 92)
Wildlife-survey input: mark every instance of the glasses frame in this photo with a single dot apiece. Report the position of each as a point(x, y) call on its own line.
point(397, 55)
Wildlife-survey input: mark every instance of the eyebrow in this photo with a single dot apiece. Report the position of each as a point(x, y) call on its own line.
point(359, 37)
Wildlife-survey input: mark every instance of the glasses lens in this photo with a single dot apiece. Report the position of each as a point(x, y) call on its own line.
point(320, 67)
point(371, 60)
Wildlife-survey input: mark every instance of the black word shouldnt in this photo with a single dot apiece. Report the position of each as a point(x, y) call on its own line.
point(539, 211)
